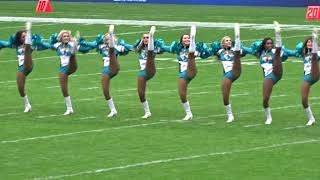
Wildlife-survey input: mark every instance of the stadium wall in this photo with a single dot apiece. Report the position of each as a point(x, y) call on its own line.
point(285, 3)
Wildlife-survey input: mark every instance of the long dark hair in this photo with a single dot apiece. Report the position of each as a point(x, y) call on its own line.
point(140, 46)
point(305, 47)
point(263, 44)
point(18, 36)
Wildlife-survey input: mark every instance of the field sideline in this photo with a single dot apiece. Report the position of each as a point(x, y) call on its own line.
point(44, 144)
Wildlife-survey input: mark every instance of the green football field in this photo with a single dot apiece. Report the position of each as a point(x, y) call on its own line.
point(44, 144)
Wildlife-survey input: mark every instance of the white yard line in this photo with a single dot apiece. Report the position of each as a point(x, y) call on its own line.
point(138, 32)
point(252, 125)
point(182, 158)
point(280, 95)
point(223, 25)
point(34, 25)
point(90, 88)
point(89, 117)
point(294, 127)
point(11, 113)
point(242, 94)
point(51, 115)
point(79, 132)
point(121, 127)
point(197, 93)
point(51, 87)
point(132, 119)
point(206, 124)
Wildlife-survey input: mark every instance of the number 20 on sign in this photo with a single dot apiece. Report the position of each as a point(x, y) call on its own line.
point(313, 13)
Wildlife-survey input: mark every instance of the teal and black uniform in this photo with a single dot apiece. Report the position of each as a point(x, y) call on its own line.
point(226, 56)
point(103, 49)
point(266, 59)
point(182, 56)
point(143, 55)
point(306, 62)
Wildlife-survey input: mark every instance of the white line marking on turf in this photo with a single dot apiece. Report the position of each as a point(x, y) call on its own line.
point(79, 132)
point(51, 87)
point(294, 127)
point(137, 32)
point(132, 119)
point(11, 113)
point(90, 88)
point(314, 98)
point(280, 95)
point(243, 94)
point(205, 92)
point(183, 158)
point(209, 123)
point(89, 117)
point(14, 27)
point(252, 125)
point(51, 115)
point(157, 23)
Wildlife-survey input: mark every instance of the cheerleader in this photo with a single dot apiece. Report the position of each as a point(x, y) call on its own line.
point(22, 42)
point(146, 50)
point(310, 54)
point(186, 53)
point(271, 62)
point(65, 46)
point(230, 59)
point(109, 47)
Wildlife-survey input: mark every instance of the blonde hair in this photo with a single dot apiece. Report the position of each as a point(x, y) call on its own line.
point(223, 39)
point(59, 37)
point(114, 36)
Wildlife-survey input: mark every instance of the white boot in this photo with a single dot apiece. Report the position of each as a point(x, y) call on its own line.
point(27, 105)
point(146, 109)
point(268, 121)
point(188, 117)
point(277, 30)
point(268, 116)
point(187, 109)
point(27, 108)
point(112, 42)
point(76, 43)
point(192, 46)
point(230, 118)
point(237, 45)
point(113, 111)
point(28, 38)
point(68, 112)
point(69, 106)
point(315, 41)
point(151, 40)
point(229, 113)
point(146, 115)
point(311, 122)
point(311, 119)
